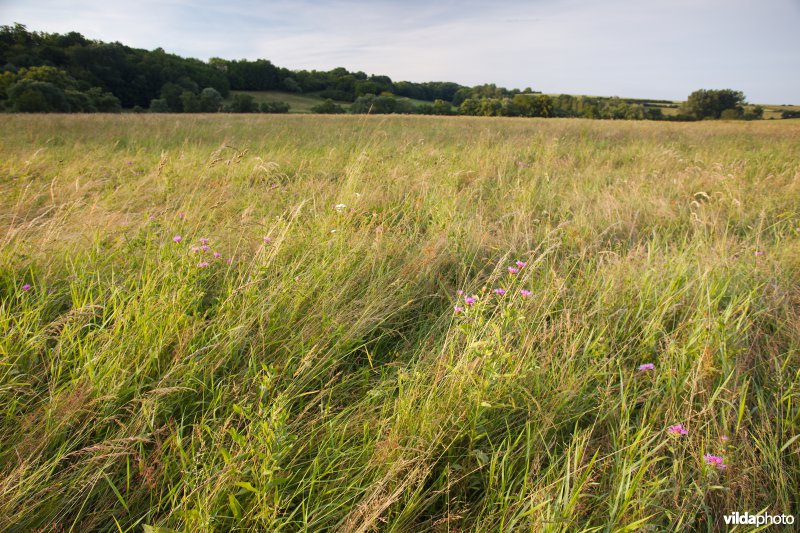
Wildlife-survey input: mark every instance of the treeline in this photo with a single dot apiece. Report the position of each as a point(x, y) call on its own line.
point(44, 72)
point(158, 81)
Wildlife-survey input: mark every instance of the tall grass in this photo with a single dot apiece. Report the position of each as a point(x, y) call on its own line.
point(316, 375)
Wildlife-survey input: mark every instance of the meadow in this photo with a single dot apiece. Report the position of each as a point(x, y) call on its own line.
point(397, 323)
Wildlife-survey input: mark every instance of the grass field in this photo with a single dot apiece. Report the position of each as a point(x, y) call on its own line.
point(348, 362)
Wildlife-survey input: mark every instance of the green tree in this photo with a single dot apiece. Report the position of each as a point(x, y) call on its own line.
point(28, 96)
point(470, 106)
point(103, 101)
point(171, 93)
point(159, 105)
point(275, 107)
point(210, 100)
point(328, 107)
point(190, 102)
point(705, 103)
point(243, 103)
point(292, 86)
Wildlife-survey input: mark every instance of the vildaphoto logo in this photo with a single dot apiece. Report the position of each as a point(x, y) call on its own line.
point(741, 519)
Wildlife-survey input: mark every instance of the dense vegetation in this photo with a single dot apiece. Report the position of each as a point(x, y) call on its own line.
point(396, 323)
point(44, 72)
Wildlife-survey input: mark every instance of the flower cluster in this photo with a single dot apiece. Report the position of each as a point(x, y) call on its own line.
point(715, 460)
point(678, 430)
point(204, 247)
point(499, 291)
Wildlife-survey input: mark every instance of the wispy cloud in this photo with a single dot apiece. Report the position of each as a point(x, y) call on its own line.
point(659, 48)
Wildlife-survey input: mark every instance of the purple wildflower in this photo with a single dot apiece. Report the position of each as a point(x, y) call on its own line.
point(203, 264)
point(647, 366)
point(458, 309)
point(460, 292)
point(267, 240)
point(759, 252)
point(177, 238)
point(26, 287)
point(205, 247)
point(521, 264)
point(181, 215)
point(525, 293)
point(499, 291)
point(195, 249)
point(724, 439)
point(203, 240)
point(217, 254)
point(715, 460)
point(677, 429)
point(513, 270)
point(469, 300)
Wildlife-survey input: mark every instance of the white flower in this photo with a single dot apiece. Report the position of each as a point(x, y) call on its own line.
point(340, 207)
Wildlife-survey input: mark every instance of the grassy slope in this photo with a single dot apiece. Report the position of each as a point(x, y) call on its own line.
point(300, 103)
point(323, 380)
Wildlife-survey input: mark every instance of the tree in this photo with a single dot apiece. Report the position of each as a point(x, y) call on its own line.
point(243, 103)
point(28, 96)
point(274, 107)
point(103, 101)
point(210, 100)
point(328, 107)
point(171, 93)
point(470, 106)
point(190, 102)
point(440, 107)
point(711, 103)
point(159, 105)
point(292, 86)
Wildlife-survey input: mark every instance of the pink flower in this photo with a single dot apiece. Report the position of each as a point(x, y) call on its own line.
point(525, 293)
point(181, 215)
point(715, 460)
point(458, 309)
point(26, 287)
point(205, 247)
point(203, 240)
point(267, 240)
point(203, 264)
point(647, 366)
point(521, 264)
point(677, 429)
point(724, 439)
point(513, 270)
point(499, 291)
point(759, 252)
point(460, 292)
point(177, 238)
point(217, 254)
point(195, 249)
point(469, 300)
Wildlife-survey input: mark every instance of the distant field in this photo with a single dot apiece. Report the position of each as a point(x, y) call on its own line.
point(299, 103)
point(302, 103)
point(361, 323)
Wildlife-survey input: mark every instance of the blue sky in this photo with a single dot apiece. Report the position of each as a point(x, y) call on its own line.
point(635, 48)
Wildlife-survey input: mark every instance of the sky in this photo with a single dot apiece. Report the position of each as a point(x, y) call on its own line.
point(631, 48)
